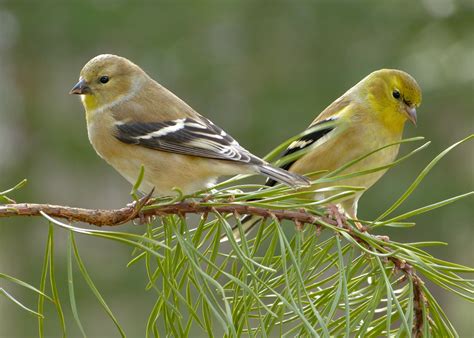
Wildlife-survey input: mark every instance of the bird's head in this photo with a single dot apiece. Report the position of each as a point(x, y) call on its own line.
point(107, 79)
point(394, 95)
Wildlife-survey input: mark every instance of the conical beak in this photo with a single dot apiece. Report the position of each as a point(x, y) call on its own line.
point(80, 88)
point(411, 114)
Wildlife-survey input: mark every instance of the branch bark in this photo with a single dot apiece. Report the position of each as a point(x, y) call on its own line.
point(418, 294)
point(114, 217)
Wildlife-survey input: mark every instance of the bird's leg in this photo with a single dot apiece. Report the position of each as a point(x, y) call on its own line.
point(143, 219)
point(383, 238)
point(350, 209)
point(360, 226)
point(211, 194)
point(207, 198)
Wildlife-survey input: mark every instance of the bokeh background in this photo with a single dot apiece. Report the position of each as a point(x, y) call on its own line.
point(260, 69)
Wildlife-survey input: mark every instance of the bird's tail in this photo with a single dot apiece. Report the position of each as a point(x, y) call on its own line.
point(248, 223)
point(276, 174)
point(283, 176)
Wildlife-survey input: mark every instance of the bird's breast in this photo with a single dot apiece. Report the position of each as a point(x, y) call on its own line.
point(348, 145)
point(100, 129)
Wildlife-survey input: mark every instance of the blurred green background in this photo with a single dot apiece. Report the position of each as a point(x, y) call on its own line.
point(262, 70)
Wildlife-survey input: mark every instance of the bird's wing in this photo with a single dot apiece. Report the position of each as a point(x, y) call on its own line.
point(188, 136)
point(335, 109)
point(321, 129)
point(324, 123)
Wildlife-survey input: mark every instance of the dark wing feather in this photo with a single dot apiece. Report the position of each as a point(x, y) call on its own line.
point(196, 137)
point(304, 142)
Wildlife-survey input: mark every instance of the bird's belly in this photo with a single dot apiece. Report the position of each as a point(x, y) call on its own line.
point(167, 171)
point(376, 160)
point(163, 171)
point(162, 176)
point(341, 150)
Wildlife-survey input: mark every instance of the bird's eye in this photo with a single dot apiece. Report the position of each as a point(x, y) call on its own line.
point(104, 79)
point(396, 94)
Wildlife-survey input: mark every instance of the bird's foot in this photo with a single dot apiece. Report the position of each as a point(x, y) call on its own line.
point(335, 214)
point(383, 238)
point(360, 226)
point(341, 219)
point(137, 207)
point(207, 198)
point(143, 219)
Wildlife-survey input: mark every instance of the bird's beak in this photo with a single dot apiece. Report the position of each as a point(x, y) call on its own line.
point(80, 88)
point(411, 114)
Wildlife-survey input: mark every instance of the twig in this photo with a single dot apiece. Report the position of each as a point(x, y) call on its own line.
point(418, 295)
point(114, 217)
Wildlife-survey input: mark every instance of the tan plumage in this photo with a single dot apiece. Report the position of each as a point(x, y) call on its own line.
point(132, 121)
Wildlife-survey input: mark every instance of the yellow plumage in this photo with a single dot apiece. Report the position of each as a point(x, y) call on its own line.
point(369, 116)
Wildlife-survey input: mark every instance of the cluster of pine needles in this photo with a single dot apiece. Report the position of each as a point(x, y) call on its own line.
point(304, 272)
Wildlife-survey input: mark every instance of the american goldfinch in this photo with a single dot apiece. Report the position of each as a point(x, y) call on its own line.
point(370, 115)
point(132, 121)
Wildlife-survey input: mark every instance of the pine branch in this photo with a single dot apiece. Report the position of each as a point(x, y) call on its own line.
point(418, 295)
point(114, 217)
point(351, 282)
point(407, 269)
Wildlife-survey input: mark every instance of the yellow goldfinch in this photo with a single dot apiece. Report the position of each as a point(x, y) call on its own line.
point(132, 121)
point(370, 115)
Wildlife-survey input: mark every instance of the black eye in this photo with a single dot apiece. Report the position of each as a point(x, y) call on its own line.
point(396, 94)
point(104, 79)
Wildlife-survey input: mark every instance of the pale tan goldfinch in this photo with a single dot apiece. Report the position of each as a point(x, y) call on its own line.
point(132, 121)
point(368, 116)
